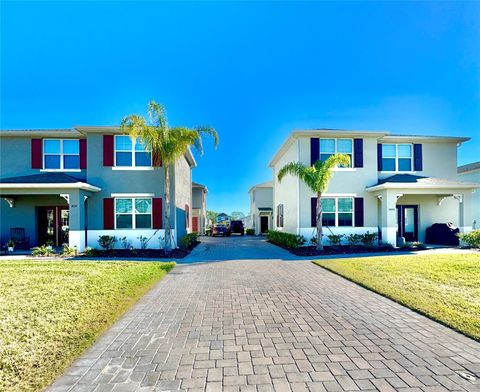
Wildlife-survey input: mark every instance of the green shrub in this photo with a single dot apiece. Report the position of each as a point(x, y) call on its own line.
point(188, 240)
point(126, 244)
point(471, 239)
point(369, 239)
point(335, 239)
point(107, 242)
point(354, 239)
point(68, 251)
point(42, 251)
point(250, 231)
point(89, 251)
point(292, 241)
point(143, 242)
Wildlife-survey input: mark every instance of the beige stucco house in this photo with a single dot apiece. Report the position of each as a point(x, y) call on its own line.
point(199, 208)
point(396, 185)
point(261, 208)
point(471, 173)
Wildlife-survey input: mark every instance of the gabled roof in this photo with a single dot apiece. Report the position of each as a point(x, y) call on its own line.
point(46, 180)
point(469, 167)
point(201, 186)
point(266, 184)
point(411, 181)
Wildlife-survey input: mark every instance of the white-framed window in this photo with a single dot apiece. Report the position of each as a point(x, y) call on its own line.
point(131, 152)
point(61, 154)
point(337, 211)
point(280, 215)
point(133, 213)
point(397, 157)
point(330, 147)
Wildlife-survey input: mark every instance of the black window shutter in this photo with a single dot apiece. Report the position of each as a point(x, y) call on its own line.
point(358, 152)
point(359, 212)
point(417, 157)
point(314, 150)
point(313, 212)
point(379, 156)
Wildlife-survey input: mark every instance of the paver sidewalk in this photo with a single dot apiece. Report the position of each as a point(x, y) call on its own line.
point(270, 325)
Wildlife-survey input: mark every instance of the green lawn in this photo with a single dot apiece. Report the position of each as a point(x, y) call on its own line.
point(50, 311)
point(443, 287)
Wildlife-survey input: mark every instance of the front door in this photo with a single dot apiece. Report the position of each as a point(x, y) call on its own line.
point(195, 224)
point(407, 218)
point(53, 225)
point(263, 224)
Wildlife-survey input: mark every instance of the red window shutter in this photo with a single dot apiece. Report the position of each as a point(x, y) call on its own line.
point(107, 150)
point(157, 213)
point(83, 153)
point(37, 154)
point(156, 160)
point(108, 213)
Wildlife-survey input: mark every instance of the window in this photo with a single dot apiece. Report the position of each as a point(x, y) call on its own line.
point(131, 152)
point(61, 154)
point(133, 213)
point(337, 211)
point(396, 157)
point(280, 215)
point(330, 147)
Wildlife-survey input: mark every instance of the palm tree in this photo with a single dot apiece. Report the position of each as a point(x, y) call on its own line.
point(317, 178)
point(166, 143)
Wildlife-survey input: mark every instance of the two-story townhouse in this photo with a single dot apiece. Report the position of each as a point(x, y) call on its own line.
point(199, 208)
point(261, 208)
point(73, 185)
point(471, 173)
point(396, 185)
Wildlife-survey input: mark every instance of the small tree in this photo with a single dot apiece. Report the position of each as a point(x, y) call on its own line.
point(317, 178)
point(168, 144)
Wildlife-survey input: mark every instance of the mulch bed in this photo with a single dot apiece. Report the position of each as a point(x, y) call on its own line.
point(344, 250)
point(144, 253)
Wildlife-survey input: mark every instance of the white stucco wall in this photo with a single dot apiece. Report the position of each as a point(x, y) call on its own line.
point(473, 176)
point(182, 196)
point(286, 192)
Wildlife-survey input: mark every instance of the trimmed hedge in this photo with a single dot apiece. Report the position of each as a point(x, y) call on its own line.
point(288, 240)
point(471, 239)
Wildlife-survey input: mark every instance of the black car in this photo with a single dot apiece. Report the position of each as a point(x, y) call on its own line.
point(236, 226)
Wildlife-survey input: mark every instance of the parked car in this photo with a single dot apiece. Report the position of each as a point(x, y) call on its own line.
point(236, 226)
point(222, 225)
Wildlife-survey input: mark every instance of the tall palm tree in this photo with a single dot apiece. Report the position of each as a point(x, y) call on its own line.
point(317, 178)
point(169, 144)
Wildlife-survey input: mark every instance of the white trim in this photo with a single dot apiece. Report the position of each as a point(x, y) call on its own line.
point(338, 195)
point(133, 214)
point(61, 170)
point(139, 195)
point(412, 160)
point(132, 152)
point(404, 185)
point(336, 168)
point(75, 185)
point(132, 168)
point(336, 212)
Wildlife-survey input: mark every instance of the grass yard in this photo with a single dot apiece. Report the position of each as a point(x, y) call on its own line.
point(50, 311)
point(443, 287)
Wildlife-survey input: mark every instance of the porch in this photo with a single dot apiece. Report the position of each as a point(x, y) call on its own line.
point(407, 205)
point(47, 208)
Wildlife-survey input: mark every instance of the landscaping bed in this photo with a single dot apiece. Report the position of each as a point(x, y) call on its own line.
point(443, 287)
point(52, 310)
point(346, 249)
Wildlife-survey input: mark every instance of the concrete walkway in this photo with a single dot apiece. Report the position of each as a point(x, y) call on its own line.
point(270, 325)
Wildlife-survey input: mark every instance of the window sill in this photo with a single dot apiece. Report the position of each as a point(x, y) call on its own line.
point(398, 172)
point(62, 170)
point(345, 169)
point(133, 168)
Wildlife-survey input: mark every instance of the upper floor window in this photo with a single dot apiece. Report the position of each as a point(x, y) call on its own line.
point(61, 154)
point(133, 213)
point(337, 211)
point(330, 147)
point(397, 157)
point(131, 152)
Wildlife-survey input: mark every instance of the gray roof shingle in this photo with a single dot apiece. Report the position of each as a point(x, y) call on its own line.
point(42, 178)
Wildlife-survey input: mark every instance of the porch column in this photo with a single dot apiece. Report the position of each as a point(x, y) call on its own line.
point(389, 217)
point(465, 211)
point(76, 234)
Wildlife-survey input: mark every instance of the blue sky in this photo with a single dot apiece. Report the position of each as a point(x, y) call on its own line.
point(255, 71)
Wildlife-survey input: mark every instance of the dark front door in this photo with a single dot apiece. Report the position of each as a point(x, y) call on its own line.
point(53, 225)
point(263, 224)
point(407, 218)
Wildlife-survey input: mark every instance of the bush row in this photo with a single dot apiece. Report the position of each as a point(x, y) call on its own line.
point(471, 239)
point(288, 240)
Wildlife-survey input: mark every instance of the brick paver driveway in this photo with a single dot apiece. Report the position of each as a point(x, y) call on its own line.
point(271, 325)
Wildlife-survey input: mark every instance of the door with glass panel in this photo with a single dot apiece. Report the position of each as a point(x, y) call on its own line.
point(407, 220)
point(53, 225)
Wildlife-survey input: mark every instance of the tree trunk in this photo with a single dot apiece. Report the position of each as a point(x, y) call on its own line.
point(319, 222)
point(166, 225)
